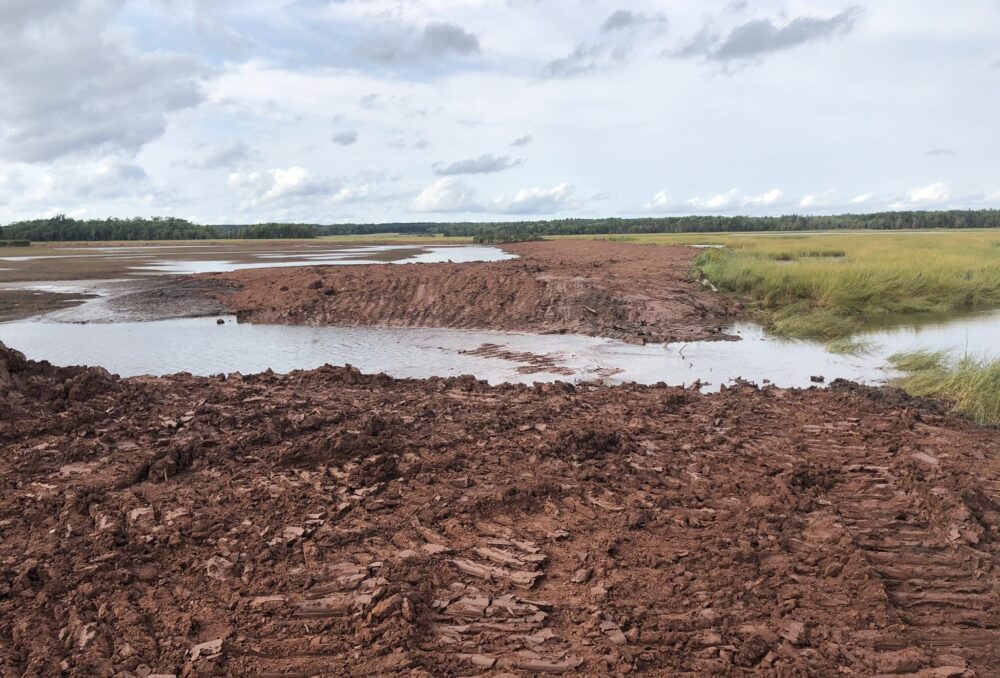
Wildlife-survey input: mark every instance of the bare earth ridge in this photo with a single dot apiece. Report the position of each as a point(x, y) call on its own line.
point(328, 523)
point(636, 293)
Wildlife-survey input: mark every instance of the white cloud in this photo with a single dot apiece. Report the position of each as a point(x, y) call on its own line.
point(71, 84)
point(721, 202)
point(175, 95)
point(484, 164)
point(538, 200)
point(766, 199)
point(446, 195)
point(733, 199)
point(450, 195)
point(661, 201)
point(933, 194)
point(279, 186)
point(813, 201)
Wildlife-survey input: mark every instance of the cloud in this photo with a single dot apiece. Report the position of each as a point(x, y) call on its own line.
point(934, 194)
point(941, 151)
point(71, 85)
point(436, 41)
point(227, 155)
point(450, 195)
point(661, 201)
point(446, 195)
point(69, 185)
point(732, 199)
point(862, 199)
point(770, 198)
point(537, 201)
point(441, 39)
point(623, 19)
point(586, 59)
point(759, 37)
point(344, 138)
point(279, 186)
point(812, 201)
point(522, 141)
point(620, 30)
point(370, 101)
point(484, 164)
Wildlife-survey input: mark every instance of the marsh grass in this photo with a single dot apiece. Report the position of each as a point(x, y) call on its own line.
point(970, 383)
point(850, 346)
point(830, 285)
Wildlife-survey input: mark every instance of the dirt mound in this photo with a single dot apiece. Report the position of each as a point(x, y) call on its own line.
point(29, 389)
point(333, 523)
point(631, 292)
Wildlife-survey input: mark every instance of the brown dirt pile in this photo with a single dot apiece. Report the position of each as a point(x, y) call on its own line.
point(631, 292)
point(328, 523)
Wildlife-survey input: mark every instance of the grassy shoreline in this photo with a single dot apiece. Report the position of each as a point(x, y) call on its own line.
point(971, 384)
point(828, 286)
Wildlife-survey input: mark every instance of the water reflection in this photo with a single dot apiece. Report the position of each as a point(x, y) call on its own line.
point(201, 346)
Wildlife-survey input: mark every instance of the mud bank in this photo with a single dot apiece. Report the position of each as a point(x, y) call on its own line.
point(630, 292)
point(331, 523)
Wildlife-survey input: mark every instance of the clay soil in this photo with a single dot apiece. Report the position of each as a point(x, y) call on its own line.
point(327, 523)
point(635, 293)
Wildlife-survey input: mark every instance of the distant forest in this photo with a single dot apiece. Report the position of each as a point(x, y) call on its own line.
point(64, 229)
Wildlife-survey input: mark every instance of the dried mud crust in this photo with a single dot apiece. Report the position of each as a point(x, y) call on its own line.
point(637, 293)
point(329, 523)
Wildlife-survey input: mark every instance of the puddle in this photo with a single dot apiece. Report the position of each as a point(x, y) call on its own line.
point(201, 346)
point(342, 256)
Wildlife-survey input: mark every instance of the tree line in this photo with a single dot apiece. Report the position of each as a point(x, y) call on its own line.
point(63, 228)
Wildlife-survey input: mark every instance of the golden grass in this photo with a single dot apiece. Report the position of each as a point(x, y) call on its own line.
point(830, 285)
point(971, 384)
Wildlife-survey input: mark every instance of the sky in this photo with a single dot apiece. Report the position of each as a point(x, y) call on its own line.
point(326, 111)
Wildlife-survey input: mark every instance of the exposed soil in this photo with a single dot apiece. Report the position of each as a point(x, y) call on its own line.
point(327, 523)
point(19, 304)
point(163, 298)
point(635, 293)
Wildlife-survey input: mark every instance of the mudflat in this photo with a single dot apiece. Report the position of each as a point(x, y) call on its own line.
point(331, 523)
point(631, 292)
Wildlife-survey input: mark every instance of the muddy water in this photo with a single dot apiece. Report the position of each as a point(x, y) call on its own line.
point(201, 346)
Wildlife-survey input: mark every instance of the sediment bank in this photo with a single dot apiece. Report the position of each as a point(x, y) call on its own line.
point(332, 523)
point(629, 292)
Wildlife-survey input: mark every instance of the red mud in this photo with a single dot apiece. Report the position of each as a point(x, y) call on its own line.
point(328, 523)
point(637, 293)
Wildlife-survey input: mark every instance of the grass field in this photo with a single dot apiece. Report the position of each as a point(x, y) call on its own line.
point(971, 384)
point(830, 285)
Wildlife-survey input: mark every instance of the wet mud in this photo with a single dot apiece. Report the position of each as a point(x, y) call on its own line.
point(330, 523)
point(634, 293)
point(17, 304)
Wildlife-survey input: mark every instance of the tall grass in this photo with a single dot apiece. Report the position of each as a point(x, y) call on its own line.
point(971, 384)
point(829, 286)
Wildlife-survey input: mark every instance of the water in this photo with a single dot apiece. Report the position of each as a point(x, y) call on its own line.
point(201, 346)
point(375, 254)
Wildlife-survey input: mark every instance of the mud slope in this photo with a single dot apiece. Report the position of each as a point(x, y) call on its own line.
point(630, 292)
point(328, 523)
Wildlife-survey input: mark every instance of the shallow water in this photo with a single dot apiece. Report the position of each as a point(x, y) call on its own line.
point(343, 256)
point(201, 346)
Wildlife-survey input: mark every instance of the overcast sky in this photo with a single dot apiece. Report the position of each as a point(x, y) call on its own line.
point(377, 110)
